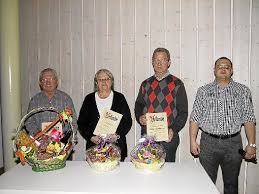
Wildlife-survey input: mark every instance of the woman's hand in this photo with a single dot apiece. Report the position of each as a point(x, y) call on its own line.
point(113, 137)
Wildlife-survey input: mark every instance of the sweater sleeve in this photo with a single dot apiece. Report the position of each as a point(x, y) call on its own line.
point(84, 123)
point(139, 104)
point(126, 121)
point(182, 109)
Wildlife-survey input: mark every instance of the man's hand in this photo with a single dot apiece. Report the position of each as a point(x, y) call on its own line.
point(143, 120)
point(193, 131)
point(250, 152)
point(251, 136)
point(170, 135)
point(195, 148)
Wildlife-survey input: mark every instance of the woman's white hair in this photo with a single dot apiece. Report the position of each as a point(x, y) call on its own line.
point(107, 72)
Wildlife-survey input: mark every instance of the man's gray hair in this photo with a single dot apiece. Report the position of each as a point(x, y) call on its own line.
point(48, 70)
point(162, 50)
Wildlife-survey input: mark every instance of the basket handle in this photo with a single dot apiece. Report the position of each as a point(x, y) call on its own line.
point(33, 111)
point(61, 117)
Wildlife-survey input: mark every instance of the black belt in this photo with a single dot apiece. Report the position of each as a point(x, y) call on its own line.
point(222, 136)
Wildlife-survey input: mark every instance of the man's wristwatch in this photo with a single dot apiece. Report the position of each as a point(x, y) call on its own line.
point(253, 145)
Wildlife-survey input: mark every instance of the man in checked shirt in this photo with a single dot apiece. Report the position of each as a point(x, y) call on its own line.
point(220, 109)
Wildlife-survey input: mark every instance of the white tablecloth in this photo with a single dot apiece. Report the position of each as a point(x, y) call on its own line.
point(78, 177)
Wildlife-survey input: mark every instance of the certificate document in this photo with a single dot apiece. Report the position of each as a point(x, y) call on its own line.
point(157, 126)
point(108, 122)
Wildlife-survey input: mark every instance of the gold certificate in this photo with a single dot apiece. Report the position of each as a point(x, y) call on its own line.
point(108, 122)
point(157, 126)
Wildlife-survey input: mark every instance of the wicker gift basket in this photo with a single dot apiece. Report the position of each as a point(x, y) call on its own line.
point(47, 150)
point(148, 155)
point(103, 157)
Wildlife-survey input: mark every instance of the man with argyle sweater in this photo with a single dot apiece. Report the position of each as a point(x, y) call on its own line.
point(163, 92)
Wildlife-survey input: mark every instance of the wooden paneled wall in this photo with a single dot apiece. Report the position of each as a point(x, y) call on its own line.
point(78, 37)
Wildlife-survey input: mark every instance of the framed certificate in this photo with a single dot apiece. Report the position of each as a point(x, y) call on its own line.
point(108, 122)
point(157, 126)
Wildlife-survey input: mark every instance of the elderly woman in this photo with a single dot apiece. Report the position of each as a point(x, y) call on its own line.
point(104, 97)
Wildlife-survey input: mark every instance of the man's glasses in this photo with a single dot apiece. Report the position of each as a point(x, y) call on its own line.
point(162, 62)
point(44, 80)
point(223, 66)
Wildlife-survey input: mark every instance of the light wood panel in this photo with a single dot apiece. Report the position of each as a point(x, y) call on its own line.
point(65, 65)
point(101, 34)
point(142, 64)
point(78, 37)
point(127, 14)
point(252, 184)
point(33, 53)
point(25, 32)
point(173, 33)
point(54, 39)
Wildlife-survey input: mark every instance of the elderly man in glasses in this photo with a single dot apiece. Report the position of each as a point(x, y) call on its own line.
point(49, 96)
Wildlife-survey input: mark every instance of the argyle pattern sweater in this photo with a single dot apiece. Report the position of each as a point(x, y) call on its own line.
point(167, 95)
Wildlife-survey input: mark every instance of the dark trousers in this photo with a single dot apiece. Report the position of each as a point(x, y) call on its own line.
point(224, 153)
point(70, 156)
point(170, 148)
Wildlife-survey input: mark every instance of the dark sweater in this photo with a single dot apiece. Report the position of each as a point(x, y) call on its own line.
point(167, 95)
point(89, 116)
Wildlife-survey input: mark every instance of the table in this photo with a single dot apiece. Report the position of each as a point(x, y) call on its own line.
point(77, 177)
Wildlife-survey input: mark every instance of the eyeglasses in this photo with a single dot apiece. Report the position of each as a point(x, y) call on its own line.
point(104, 80)
point(162, 62)
point(223, 66)
point(44, 80)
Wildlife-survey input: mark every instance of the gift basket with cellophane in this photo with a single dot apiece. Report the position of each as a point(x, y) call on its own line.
point(105, 156)
point(148, 154)
point(49, 149)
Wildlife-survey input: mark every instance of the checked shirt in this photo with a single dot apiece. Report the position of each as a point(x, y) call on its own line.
point(222, 111)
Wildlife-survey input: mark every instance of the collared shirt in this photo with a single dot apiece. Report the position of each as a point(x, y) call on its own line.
point(222, 111)
point(164, 76)
point(59, 101)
